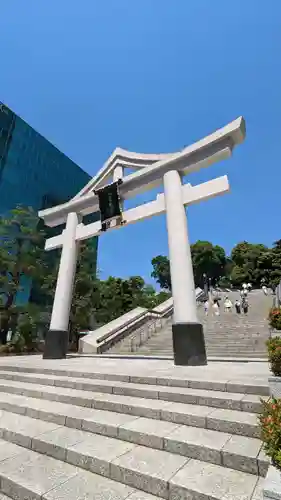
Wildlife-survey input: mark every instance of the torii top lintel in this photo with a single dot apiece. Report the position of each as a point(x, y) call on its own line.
point(150, 170)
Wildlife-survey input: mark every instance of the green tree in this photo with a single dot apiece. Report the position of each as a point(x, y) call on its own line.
point(161, 271)
point(118, 296)
point(250, 263)
point(207, 259)
point(275, 269)
point(20, 259)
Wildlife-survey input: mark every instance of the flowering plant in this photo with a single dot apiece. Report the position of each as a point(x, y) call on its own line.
point(275, 318)
point(274, 355)
point(270, 423)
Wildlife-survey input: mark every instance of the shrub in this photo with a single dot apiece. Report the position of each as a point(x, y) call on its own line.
point(274, 355)
point(275, 318)
point(270, 423)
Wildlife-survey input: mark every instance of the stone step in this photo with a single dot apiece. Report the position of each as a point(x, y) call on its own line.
point(214, 398)
point(235, 452)
point(27, 475)
point(107, 422)
point(112, 402)
point(250, 385)
point(154, 471)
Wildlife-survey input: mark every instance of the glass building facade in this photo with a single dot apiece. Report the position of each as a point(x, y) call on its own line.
point(33, 172)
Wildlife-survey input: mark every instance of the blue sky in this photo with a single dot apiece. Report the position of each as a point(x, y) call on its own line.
point(154, 76)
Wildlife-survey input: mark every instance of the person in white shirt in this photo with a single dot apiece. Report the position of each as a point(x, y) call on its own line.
point(227, 304)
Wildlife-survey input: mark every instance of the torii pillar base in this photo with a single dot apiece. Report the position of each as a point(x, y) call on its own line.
point(189, 344)
point(56, 344)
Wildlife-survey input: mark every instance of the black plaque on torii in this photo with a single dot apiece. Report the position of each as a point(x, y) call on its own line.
point(109, 204)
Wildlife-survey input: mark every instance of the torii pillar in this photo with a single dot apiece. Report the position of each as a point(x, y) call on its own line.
point(188, 336)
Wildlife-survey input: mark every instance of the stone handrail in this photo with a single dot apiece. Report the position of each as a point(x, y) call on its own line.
point(106, 336)
point(147, 331)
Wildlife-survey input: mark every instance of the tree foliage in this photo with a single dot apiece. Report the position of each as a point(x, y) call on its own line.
point(20, 259)
point(161, 271)
point(207, 259)
point(23, 261)
point(248, 262)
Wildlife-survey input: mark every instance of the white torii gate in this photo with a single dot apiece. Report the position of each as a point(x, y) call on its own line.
point(152, 171)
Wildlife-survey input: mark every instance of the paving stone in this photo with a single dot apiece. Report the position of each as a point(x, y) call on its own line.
point(56, 442)
point(53, 411)
point(234, 422)
point(147, 469)
point(150, 408)
point(147, 432)
point(12, 402)
point(136, 390)
point(29, 475)
point(143, 380)
point(258, 492)
point(213, 385)
point(186, 414)
point(201, 444)
point(240, 453)
point(202, 481)
point(105, 422)
point(251, 403)
point(8, 450)
point(272, 484)
point(88, 486)
point(96, 452)
point(247, 388)
point(20, 429)
point(263, 463)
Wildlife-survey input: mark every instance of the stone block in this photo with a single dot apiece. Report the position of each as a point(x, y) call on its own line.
point(274, 387)
point(186, 414)
point(220, 399)
point(147, 469)
point(178, 395)
point(272, 484)
point(142, 379)
point(234, 422)
point(20, 429)
point(146, 432)
point(45, 410)
point(8, 450)
point(202, 481)
point(246, 387)
point(54, 443)
point(263, 463)
point(136, 390)
point(86, 485)
point(240, 453)
point(105, 422)
point(201, 444)
point(29, 475)
point(172, 381)
point(212, 385)
point(96, 452)
point(126, 404)
point(251, 403)
point(12, 403)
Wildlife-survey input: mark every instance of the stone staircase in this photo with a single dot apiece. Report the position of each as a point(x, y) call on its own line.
point(228, 335)
point(74, 435)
